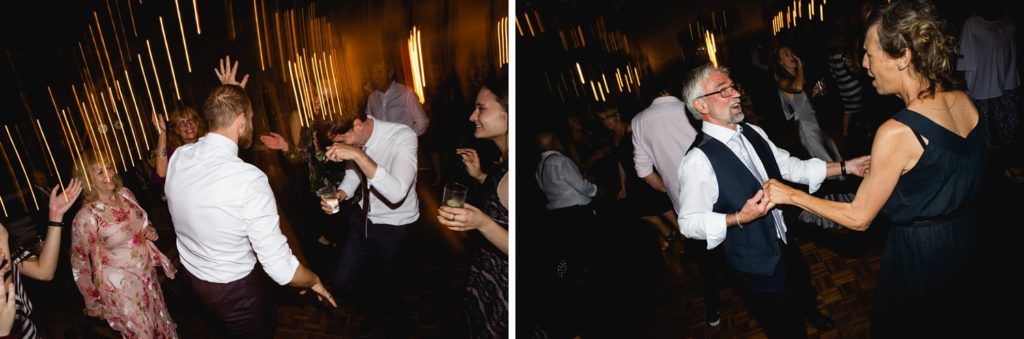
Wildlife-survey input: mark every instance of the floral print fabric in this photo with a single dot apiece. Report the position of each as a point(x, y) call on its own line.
point(114, 265)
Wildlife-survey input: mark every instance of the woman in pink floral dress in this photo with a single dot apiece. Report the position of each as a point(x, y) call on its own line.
point(114, 259)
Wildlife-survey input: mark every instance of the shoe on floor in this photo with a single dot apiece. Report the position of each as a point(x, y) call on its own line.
point(820, 321)
point(713, 317)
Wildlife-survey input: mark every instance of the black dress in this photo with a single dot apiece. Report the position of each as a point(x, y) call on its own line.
point(486, 304)
point(932, 209)
point(641, 199)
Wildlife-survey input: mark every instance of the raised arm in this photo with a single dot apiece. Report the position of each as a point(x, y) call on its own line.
point(160, 153)
point(226, 72)
point(42, 267)
point(892, 152)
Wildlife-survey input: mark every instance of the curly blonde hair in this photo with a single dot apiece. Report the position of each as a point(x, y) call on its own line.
point(915, 26)
point(182, 114)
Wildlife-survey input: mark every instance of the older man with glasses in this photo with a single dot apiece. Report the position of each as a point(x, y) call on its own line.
point(723, 202)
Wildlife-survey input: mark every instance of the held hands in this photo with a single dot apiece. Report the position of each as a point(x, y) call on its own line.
point(275, 141)
point(858, 166)
point(472, 162)
point(60, 203)
point(226, 73)
point(462, 219)
point(755, 207)
point(779, 193)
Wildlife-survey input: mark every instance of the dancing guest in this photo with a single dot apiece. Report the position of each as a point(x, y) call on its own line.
point(797, 108)
point(114, 259)
point(225, 217)
point(486, 305)
point(722, 201)
point(925, 176)
point(39, 267)
point(381, 168)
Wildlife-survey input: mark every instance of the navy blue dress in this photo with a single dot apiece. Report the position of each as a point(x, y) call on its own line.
point(932, 210)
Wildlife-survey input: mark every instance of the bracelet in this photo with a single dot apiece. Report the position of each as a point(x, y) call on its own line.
point(55, 223)
point(842, 167)
point(738, 223)
point(160, 152)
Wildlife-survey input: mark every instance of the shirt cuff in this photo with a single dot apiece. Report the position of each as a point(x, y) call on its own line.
point(815, 174)
point(714, 229)
point(283, 272)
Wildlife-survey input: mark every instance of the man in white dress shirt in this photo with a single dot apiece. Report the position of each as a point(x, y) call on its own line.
point(393, 101)
point(722, 202)
point(382, 166)
point(225, 217)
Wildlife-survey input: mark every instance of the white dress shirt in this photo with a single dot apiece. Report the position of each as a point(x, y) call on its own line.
point(224, 214)
point(661, 135)
point(698, 190)
point(562, 182)
point(393, 200)
point(398, 104)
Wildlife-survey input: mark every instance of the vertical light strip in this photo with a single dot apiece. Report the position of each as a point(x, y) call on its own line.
point(259, 41)
point(170, 63)
point(23, 171)
point(184, 43)
point(131, 92)
point(295, 92)
point(156, 79)
point(50, 152)
point(78, 147)
point(127, 115)
point(195, 8)
point(110, 121)
point(104, 42)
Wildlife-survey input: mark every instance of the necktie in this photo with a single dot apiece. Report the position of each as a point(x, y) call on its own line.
point(739, 145)
point(364, 189)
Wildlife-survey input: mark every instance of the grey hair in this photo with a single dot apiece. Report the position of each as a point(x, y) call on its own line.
point(694, 86)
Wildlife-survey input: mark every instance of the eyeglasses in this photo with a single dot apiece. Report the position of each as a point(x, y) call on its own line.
point(187, 122)
point(727, 91)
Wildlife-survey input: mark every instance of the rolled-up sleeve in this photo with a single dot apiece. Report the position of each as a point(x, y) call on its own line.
point(395, 183)
point(810, 172)
point(264, 231)
point(642, 160)
point(698, 192)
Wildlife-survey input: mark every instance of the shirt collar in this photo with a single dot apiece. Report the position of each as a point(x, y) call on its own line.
point(377, 130)
point(220, 142)
point(665, 99)
point(720, 133)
